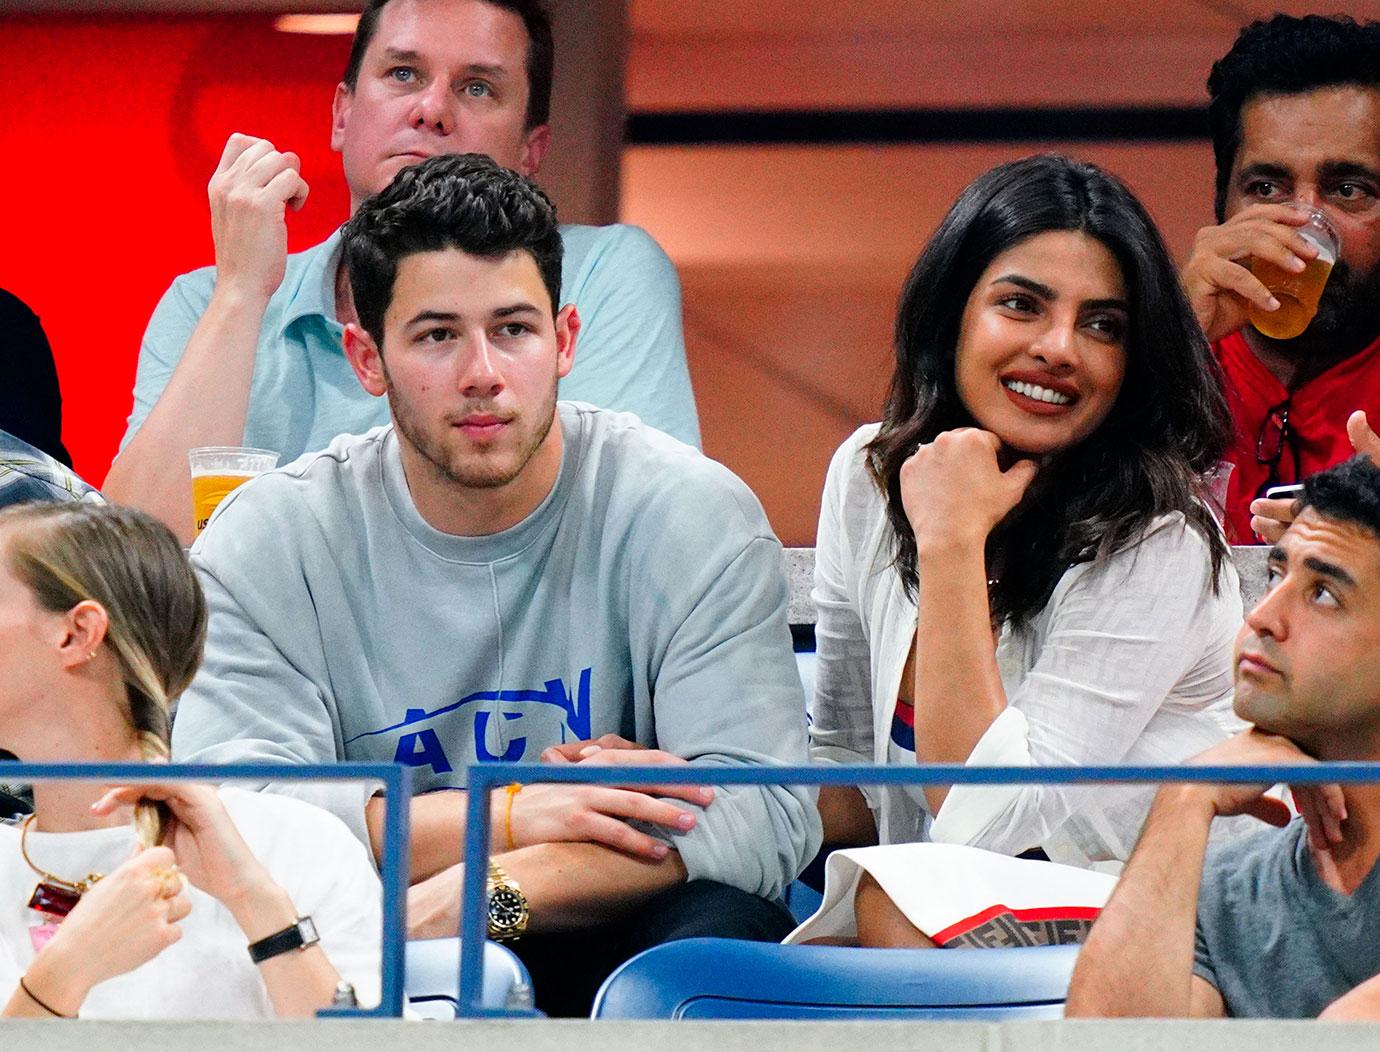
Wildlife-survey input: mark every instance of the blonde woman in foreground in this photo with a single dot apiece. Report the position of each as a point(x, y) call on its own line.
point(101, 628)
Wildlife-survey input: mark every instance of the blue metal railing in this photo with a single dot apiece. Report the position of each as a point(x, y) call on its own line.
point(397, 786)
point(484, 778)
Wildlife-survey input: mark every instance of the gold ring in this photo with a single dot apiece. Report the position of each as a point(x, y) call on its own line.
point(171, 882)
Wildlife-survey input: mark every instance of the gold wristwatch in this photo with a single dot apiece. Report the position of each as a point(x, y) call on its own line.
point(508, 912)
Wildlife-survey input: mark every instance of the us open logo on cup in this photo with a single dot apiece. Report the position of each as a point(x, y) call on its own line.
point(216, 470)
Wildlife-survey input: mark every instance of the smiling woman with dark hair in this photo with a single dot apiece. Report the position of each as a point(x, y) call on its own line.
point(1016, 565)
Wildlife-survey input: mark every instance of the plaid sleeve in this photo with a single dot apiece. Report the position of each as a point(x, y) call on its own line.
point(27, 474)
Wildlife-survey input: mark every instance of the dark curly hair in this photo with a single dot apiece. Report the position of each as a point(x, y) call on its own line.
point(541, 51)
point(1168, 426)
point(464, 201)
point(1284, 55)
point(1348, 492)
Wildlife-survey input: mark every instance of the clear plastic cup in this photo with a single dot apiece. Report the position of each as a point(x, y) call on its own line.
point(1213, 487)
point(1298, 293)
point(216, 470)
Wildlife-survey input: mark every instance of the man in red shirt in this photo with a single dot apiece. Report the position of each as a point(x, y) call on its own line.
point(1295, 113)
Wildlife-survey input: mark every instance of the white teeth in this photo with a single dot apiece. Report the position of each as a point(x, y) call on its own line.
point(1041, 394)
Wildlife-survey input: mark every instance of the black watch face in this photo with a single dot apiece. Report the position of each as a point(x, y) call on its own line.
point(506, 909)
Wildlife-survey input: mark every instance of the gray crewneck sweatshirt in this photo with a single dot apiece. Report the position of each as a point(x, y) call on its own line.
point(645, 596)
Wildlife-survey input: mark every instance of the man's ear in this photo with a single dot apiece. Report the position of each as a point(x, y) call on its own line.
point(83, 631)
point(365, 359)
point(567, 329)
point(340, 114)
point(534, 148)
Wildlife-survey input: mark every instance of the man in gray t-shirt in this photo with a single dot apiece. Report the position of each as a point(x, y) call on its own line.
point(496, 577)
point(1273, 937)
point(1285, 923)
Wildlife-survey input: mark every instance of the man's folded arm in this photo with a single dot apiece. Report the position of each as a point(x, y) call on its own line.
point(1139, 959)
point(1361, 1004)
point(568, 886)
point(728, 694)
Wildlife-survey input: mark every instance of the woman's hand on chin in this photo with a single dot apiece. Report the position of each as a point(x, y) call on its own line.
point(126, 919)
point(208, 846)
point(955, 492)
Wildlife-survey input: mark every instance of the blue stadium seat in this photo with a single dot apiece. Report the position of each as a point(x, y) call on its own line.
point(802, 900)
point(433, 972)
point(726, 979)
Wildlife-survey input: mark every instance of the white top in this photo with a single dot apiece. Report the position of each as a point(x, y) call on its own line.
point(207, 974)
point(1128, 663)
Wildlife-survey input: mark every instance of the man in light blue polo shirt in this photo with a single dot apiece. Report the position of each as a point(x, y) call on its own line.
point(249, 352)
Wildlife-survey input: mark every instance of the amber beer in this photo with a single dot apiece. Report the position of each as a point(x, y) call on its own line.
point(207, 493)
point(1298, 293)
point(216, 470)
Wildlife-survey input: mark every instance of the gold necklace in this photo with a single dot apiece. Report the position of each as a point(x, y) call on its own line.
point(53, 895)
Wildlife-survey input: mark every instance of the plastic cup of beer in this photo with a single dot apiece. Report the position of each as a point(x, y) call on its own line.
point(216, 470)
point(1297, 293)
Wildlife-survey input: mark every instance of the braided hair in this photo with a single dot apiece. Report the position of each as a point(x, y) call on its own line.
point(132, 566)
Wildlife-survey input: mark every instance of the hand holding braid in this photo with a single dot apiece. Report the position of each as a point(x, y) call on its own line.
point(206, 842)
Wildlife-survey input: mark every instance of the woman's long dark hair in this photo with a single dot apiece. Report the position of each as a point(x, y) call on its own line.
point(1169, 425)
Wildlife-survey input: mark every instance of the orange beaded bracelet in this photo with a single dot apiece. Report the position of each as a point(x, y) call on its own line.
point(512, 790)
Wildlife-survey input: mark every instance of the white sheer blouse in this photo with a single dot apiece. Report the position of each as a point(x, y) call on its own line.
point(1129, 662)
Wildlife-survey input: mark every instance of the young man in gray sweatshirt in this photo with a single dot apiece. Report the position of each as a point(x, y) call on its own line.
point(496, 576)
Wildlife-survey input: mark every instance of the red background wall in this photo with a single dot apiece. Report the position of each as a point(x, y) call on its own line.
point(109, 131)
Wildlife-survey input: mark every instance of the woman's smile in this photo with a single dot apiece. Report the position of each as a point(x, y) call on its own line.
point(1041, 352)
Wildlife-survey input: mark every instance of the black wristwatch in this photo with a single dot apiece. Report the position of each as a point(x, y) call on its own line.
point(294, 937)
